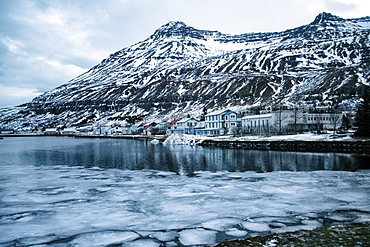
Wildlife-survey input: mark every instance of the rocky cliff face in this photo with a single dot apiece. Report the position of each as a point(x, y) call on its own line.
point(180, 70)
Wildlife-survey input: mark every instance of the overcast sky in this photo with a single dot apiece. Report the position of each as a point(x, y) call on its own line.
point(46, 43)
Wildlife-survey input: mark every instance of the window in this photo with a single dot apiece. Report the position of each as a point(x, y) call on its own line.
point(232, 116)
point(232, 124)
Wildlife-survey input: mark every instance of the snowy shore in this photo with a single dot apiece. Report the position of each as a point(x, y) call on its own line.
point(355, 234)
point(297, 137)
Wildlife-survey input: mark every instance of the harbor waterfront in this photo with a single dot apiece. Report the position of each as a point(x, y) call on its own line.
point(103, 191)
point(347, 145)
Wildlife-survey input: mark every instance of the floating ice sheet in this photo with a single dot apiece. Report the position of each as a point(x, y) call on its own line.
point(197, 237)
point(108, 206)
point(103, 238)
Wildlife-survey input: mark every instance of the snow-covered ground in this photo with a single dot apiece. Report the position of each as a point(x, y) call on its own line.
point(184, 139)
point(297, 137)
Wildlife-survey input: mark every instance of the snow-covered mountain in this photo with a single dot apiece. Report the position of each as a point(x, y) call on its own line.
point(180, 70)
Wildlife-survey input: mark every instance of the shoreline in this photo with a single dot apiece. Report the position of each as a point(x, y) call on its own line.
point(273, 143)
point(350, 234)
point(136, 137)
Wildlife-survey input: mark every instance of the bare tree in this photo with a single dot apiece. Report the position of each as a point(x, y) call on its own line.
point(235, 131)
point(335, 118)
point(279, 118)
point(296, 116)
point(282, 118)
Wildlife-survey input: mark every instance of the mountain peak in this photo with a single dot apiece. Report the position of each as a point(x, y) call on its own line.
point(323, 17)
point(174, 25)
point(172, 28)
point(178, 29)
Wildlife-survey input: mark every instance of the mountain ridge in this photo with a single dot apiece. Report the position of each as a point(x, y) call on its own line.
point(180, 70)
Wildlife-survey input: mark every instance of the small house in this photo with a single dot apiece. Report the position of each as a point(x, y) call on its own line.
point(69, 131)
point(7, 131)
point(171, 127)
point(148, 130)
point(102, 131)
point(186, 126)
point(51, 131)
point(129, 129)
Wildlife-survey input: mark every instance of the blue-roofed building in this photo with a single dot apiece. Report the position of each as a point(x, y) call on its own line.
point(219, 123)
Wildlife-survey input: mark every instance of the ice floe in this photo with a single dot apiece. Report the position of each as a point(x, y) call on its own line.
point(197, 237)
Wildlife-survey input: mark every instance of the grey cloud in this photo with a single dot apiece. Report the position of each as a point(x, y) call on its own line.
point(339, 7)
point(49, 52)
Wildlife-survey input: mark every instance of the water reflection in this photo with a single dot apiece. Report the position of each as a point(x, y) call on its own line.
point(139, 155)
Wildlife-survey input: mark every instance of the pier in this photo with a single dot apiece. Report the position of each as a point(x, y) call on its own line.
point(359, 147)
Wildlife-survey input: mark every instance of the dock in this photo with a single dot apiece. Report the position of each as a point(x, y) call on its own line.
point(356, 146)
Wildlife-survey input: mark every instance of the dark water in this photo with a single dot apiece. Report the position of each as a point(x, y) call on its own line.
point(138, 155)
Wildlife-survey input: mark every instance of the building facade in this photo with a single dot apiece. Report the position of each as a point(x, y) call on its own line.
point(184, 126)
point(290, 121)
point(219, 123)
point(259, 124)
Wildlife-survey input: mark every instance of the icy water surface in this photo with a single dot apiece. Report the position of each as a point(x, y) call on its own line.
point(109, 192)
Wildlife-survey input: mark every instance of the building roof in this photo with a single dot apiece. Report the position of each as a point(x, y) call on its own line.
point(258, 116)
point(219, 112)
point(69, 129)
point(128, 126)
point(187, 119)
point(173, 122)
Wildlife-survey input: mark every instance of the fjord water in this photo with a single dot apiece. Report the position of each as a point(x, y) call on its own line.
point(65, 191)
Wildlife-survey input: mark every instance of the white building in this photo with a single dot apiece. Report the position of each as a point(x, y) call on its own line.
point(183, 126)
point(51, 131)
point(102, 130)
point(219, 123)
point(329, 121)
point(69, 131)
point(259, 124)
point(128, 129)
point(290, 121)
point(187, 125)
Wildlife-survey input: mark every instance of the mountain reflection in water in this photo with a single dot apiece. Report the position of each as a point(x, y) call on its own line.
point(138, 155)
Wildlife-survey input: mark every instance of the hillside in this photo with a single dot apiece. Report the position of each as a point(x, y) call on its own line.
point(180, 70)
